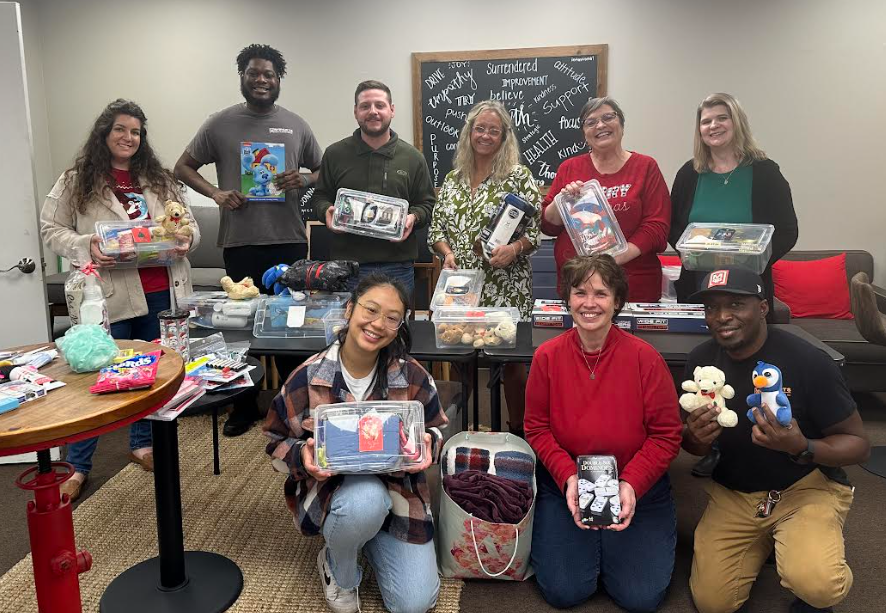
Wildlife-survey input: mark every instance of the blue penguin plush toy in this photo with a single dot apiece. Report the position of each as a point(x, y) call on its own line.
point(271, 278)
point(768, 380)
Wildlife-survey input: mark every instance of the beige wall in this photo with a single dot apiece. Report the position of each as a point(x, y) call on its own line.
point(811, 74)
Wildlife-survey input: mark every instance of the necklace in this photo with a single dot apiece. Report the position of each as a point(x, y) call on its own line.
point(726, 180)
point(594, 369)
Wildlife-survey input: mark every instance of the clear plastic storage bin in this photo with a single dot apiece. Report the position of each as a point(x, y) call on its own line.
point(132, 243)
point(476, 327)
point(461, 288)
point(333, 322)
point(369, 214)
point(297, 315)
point(709, 246)
point(369, 437)
point(217, 310)
point(590, 222)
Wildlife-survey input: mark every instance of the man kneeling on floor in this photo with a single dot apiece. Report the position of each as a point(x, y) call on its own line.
point(779, 483)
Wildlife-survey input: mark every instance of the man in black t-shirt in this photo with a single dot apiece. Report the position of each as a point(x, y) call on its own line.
point(775, 486)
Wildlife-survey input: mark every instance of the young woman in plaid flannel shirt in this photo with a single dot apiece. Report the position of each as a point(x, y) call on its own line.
point(388, 516)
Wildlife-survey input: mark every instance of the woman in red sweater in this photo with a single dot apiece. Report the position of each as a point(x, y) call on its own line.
point(635, 188)
point(597, 390)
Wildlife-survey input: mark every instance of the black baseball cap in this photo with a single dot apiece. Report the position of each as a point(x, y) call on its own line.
point(730, 281)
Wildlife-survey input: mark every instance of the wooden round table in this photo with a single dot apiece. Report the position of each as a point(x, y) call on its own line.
point(66, 415)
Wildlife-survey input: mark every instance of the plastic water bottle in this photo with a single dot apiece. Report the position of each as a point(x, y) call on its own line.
point(93, 308)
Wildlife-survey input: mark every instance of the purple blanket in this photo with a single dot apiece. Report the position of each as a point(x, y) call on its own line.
point(490, 497)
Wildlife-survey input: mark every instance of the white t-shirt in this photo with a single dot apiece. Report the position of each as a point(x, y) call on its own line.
point(359, 387)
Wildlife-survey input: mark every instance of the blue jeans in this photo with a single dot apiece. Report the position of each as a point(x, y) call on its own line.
point(634, 565)
point(406, 572)
point(402, 271)
point(144, 327)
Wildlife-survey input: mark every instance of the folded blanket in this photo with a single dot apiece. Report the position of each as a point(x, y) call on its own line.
point(370, 443)
point(515, 465)
point(490, 497)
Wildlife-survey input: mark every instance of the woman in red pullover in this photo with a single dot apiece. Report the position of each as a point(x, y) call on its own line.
point(597, 390)
point(635, 189)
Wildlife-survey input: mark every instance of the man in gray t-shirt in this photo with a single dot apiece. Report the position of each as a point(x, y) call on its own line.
point(258, 149)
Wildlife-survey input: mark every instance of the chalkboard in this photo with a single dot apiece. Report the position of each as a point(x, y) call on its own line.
point(543, 90)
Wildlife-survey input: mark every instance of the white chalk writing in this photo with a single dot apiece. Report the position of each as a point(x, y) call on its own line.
point(519, 116)
point(542, 145)
point(564, 100)
point(539, 81)
point(514, 67)
point(571, 150)
point(543, 93)
point(434, 79)
point(570, 72)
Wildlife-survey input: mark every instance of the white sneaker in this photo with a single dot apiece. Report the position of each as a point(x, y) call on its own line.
point(339, 600)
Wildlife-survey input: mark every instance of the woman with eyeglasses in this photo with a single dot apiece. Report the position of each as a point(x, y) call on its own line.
point(485, 168)
point(730, 180)
point(635, 188)
point(386, 516)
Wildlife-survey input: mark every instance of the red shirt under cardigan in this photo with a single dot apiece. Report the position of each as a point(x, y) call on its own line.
point(639, 197)
point(629, 410)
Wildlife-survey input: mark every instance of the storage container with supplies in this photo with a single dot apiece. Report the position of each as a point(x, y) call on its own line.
point(132, 243)
point(368, 214)
point(711, 246)
point(369, 437)
point(297, 315)
point(211, 309)
point(480, 535)
point(476, 327)
point(461, 288)
point(333, 322)
point(590, 222)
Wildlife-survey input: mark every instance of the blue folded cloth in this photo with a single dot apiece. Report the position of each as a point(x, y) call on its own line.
point(354, 444)
point(514, 465)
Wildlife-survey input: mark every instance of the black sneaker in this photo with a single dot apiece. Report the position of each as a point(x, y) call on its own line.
point(240, 420)
point(705, 466)
point(798, 606)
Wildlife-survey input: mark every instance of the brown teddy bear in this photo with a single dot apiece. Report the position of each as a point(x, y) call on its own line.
point(173, 224)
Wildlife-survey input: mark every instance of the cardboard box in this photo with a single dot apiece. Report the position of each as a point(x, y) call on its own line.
point(551, 314)
point(668, 317)
point(598, 499)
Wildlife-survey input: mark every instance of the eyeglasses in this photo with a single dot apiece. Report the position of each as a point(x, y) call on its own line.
point(493, 132)
point(606, 118)
point(373, 312)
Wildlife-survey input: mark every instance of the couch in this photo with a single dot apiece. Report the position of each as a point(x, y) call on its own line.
point(865, 366)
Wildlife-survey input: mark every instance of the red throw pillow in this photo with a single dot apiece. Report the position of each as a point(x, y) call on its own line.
point(814, 288)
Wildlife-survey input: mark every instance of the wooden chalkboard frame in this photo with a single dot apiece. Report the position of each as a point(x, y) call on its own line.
point(600, 51)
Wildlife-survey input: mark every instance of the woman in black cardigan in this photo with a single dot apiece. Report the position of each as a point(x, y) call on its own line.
point(730, 180)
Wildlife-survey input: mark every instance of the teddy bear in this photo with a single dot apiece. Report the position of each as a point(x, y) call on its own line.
point(709, 387)
point(244, 290)
point(174, 223)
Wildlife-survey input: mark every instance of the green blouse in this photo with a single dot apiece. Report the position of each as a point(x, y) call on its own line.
point(719, 201)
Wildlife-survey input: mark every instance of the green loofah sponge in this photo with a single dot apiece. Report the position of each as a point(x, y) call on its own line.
point(87, 348)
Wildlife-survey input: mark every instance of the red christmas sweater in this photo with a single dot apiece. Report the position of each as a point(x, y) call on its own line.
point(629, 410)
point(639, 197)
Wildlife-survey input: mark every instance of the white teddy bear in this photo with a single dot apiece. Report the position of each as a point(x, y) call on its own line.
point(709, 387)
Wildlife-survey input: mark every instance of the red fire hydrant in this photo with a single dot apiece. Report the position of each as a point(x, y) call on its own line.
point(57, 563)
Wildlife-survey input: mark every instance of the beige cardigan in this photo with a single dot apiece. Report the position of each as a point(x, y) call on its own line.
point(68, 234)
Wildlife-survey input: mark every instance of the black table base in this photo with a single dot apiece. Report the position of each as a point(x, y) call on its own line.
point(213, 584)
point(877, 462)
point(175, 581)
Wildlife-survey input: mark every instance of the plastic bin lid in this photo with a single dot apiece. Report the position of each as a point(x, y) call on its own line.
point(458, 288)
point(725, 237)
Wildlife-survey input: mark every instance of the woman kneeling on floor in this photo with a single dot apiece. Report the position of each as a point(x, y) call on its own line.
point(384, 515)
point(597, 390)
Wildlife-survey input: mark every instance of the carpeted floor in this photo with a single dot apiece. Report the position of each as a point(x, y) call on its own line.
point(239, 514)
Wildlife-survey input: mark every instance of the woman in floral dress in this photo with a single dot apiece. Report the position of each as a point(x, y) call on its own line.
point(486, 167)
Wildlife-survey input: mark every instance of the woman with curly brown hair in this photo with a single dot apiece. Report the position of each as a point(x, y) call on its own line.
point(116, 176)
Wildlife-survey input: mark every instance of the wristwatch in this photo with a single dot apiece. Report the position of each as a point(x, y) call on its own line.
point(807, 456)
